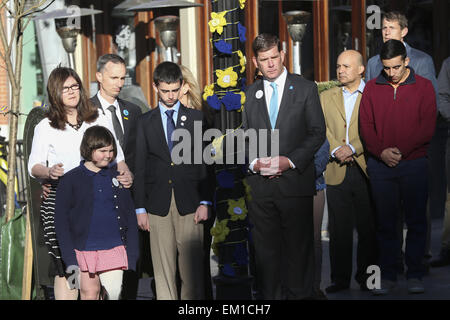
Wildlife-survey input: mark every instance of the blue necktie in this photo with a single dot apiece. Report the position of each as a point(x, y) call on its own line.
point(170, 128)
point(273, 108)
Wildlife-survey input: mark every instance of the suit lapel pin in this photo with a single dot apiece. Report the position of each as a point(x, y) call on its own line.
point(183, 118)
point(125, 112)
point(115, 182)
point(291, 87)
point(259, 94)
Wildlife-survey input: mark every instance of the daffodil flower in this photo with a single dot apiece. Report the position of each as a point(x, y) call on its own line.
point(217, 147)
point(217, 22)
point(242, 60)
point(208, 91)
point(220, 231)
point(226, 78)
point(242, 93)
point(237, 209)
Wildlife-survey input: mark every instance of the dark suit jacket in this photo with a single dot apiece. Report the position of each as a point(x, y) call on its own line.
point(301, 133)
point(129, 125)
point(156, 174)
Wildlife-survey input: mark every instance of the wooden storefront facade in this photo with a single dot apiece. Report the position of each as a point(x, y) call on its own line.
point(334, 25)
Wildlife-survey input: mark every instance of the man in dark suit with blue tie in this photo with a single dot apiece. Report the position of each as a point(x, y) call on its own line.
point(172, 198)
point(282, 185)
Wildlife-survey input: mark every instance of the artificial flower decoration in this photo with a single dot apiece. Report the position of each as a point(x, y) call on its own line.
point(208, 91)
point(242, 4)
point(240, 254)
point(242, 93)
point(217, 22)
point(237, 209)
point(220, 231)
point(225, 179)
point(232, 101)
point(217, 148)
point(214, 102)
point(242, 60)
point(223, 47)
point(247, 190)
point(215, 248)
point(244, 84)
point(226, 78)
point(228, 270)
point(241, 31)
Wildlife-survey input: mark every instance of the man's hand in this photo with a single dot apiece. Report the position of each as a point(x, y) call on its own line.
point(56, 171)
point(262, 164)
point(201, 214)
point(348, 160)
point(272, 166)
point(143, 223)
point(343, 153)
point(125, 177)
point(281, 162)
point(391, 156)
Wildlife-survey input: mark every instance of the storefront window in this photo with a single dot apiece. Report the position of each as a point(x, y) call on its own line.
point(340, 30)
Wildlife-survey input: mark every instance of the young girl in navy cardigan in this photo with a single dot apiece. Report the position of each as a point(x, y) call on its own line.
point(95, 220)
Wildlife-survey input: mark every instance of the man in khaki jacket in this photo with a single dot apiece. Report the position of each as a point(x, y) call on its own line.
point(348, 196)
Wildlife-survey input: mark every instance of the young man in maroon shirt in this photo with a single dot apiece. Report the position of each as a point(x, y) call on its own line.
point(397, 121)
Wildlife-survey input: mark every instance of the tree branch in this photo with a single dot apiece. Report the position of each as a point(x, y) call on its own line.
point(3, 4)
point(7, 58)
point(35, 9)
point(13, 37)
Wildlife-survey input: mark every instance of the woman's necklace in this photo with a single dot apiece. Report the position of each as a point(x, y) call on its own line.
point(75, 126)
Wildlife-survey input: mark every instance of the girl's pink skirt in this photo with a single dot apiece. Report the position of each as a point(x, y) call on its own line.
point(102, 260)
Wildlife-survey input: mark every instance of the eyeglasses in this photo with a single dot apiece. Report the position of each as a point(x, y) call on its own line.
point(74, 87)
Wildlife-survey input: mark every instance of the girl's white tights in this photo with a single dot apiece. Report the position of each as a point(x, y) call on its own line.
point(112, 281)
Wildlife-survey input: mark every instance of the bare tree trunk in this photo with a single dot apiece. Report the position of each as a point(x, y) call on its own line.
point(13, 127)
point(19, 14)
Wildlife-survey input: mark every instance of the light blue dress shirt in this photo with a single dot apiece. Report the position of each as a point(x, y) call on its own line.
point(162, 110)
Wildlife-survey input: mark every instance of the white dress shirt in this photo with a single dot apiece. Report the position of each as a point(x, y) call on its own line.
point(105, 104)
point(52, 146)
point(349, 104)
point(268, 91)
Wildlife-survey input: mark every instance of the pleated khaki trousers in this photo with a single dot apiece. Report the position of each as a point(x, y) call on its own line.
point(171, 236)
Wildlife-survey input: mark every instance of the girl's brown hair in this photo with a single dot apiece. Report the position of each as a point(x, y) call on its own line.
point(57, 113)
point(94, 138)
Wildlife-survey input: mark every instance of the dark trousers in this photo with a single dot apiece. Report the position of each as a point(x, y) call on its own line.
point(284, 246)
point(437, 183)
point(350, 206)
point(405, 184)
point(130, 283)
